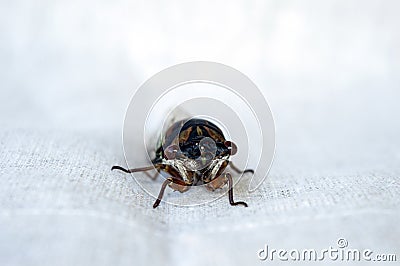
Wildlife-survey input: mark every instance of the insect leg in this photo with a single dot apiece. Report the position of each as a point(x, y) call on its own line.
point(140, 169)
point(237, 170)
point(230, 192)
point(161, 194)
point(175, 184)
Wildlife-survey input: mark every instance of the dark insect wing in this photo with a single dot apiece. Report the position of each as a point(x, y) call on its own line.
point(187, 134)
point(194, 131)
point(166, 139)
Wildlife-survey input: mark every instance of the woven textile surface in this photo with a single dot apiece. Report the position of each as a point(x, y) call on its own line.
point(330, 73)
point(62, 205)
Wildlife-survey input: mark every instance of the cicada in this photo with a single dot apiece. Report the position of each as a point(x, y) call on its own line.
point(193, 152)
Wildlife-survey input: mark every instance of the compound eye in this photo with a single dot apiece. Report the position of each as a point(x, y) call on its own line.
point(207, 145)
point(231, 147)
point(171, 151)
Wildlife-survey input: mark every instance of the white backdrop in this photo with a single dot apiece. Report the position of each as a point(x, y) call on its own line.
point(329, 70)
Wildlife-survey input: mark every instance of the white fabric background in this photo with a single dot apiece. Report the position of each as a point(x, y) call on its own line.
point(328, 69)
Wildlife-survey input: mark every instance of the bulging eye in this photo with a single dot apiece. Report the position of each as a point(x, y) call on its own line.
point(231, 147)
point(171, 151)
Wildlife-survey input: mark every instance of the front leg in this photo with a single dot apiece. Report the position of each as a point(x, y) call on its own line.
point(140, 169)
point(161, 194)
point(175, 184)
point(219, 182)
point(230, 192)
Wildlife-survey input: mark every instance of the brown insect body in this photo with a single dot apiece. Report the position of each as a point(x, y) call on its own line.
point(193, 152)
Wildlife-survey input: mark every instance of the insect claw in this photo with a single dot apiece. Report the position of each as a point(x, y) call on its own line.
point(239, 203)
point(155, 205)
point(248, 171)
point(116, 167)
